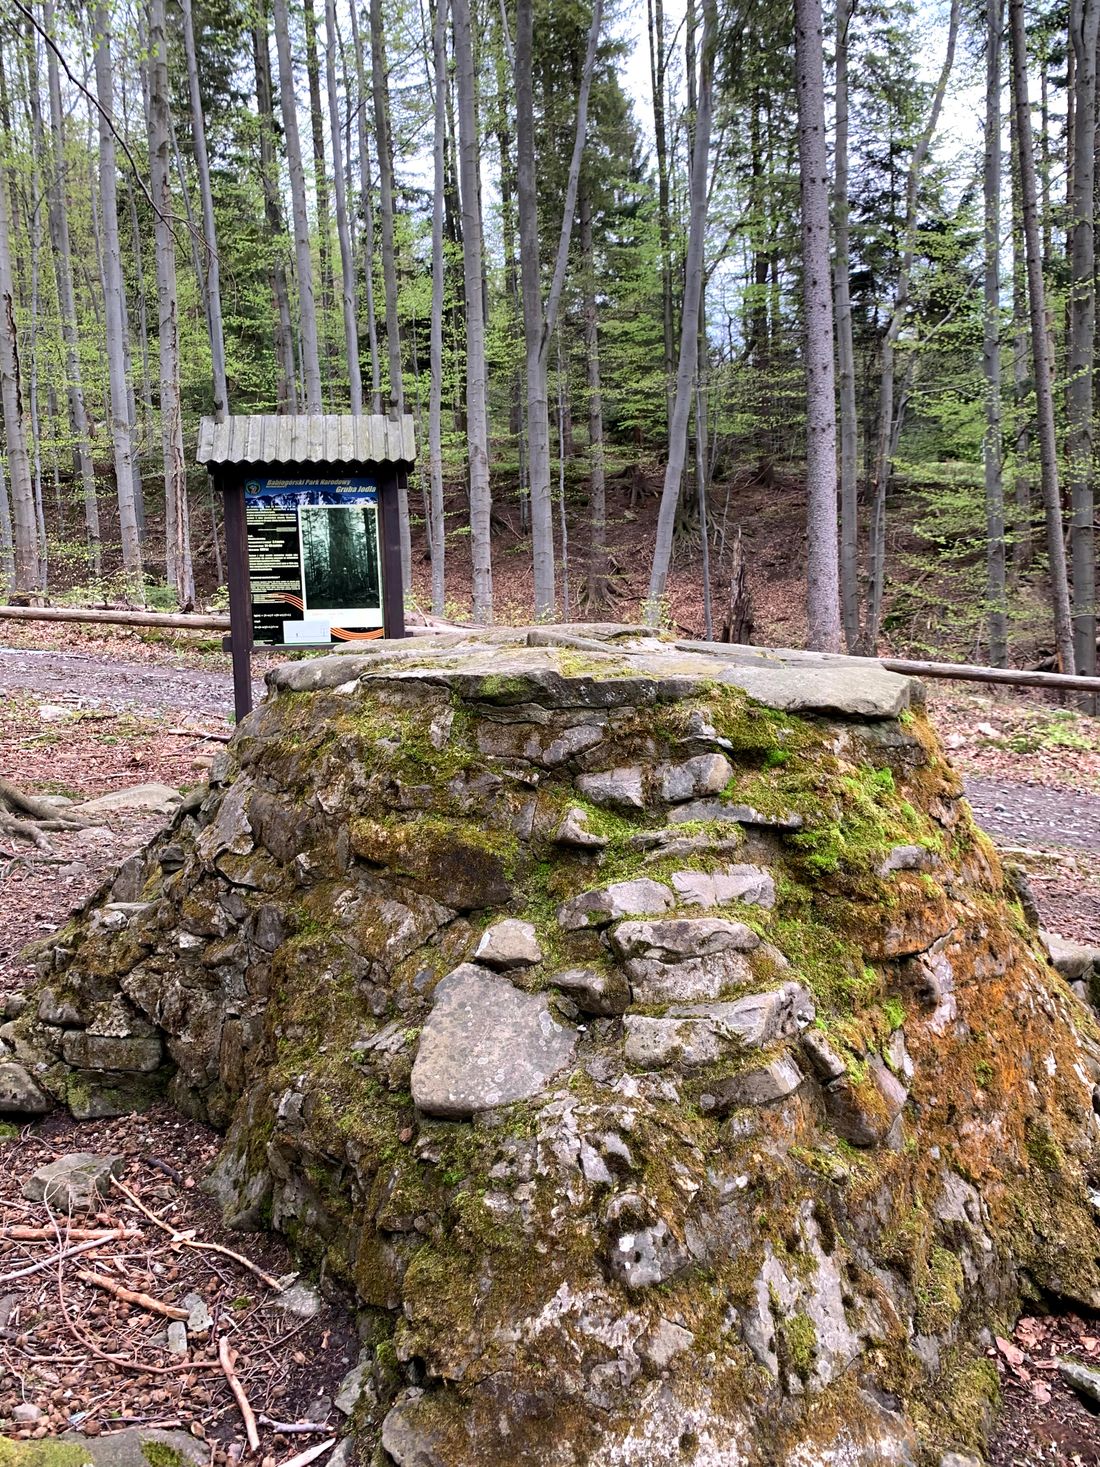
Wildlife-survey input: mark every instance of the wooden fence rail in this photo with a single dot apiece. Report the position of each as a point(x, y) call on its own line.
point(210, 621)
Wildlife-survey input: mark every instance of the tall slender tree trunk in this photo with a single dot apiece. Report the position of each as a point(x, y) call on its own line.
point(367, 206)
point(176, 511)
point(597, 498)
point(381, 90)
point(122, 424)
point(1084, 27)
point(27, 578)
point(991, 344)
point(845, 348)
point(689, 319)
point(657, 73)
point(307, 308)
point(66, 300)
point(539, 321)
point(1022, 550)
point(886, 411)
point(347, 262)
point(325, 272)
point(273, 214)
point(1040, 346)
point(435, 395)
point(34, 231)
point(822, 564)
point(477, 424)
point(7, 537)
point(211, 277)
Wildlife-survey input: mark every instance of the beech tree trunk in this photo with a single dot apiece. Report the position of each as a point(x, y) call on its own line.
point(991, 345)
point(657, 69)
point(1040, 347)
point(1022, 549)
point(367, 206)
point(66, 300)
point(211, 277)
point(347, 263)
point(477, 425)
point(320, 185)
point(307, 308)
point(27, 569)
point(380, 88)
point(822, 564)
point(1084, 28)
point(596, 590)
point(273, 214)
point(845, 349)
point(689, 320)
point(435, 396)
point(539, 321)
point(176, 512)
point(122, 423)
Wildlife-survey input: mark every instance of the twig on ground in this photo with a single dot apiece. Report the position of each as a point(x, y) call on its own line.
point(310, 1454)
point(131, 1296)
point(21, 1273)
point(290, 1428)
point(24, 1233)
point(187, 1240)
point(225, 1359)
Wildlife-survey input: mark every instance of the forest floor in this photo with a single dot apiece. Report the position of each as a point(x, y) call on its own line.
point(83, 713)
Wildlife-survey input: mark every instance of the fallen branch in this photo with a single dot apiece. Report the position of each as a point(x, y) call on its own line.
point(197, 733)
point(130, 1296)
point(188, 1240)
point(292, 1428)
point(225, 1360)
point(22, 1273)
point(24, 1233)
point(310, 1454)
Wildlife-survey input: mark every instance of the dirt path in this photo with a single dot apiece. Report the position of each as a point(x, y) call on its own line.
point(1035, 816)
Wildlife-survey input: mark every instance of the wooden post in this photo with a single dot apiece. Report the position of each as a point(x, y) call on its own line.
point(240, 592)
point(393, 590)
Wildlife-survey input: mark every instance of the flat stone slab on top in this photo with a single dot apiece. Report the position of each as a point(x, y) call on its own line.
point(485, 1044)
point(625, 666)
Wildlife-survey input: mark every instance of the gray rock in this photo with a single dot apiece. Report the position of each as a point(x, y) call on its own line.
point(19, 1095)
point(907, 858)
point(695, 778)
point(748, 884)
point(642, 1249)
point(826, 1062)
point(486, 1044)
point(621, 788)
point(199, 1320)
point(605, 994)
point(130, 1448)
point(58, 1008)
point(509, 944)
point(676, 938)
point(1072, 959)
point(804, 682)
point(140, 1054)
point(708, 810)
point(763, 1085)
point(14, 1005)
point(1084, 1379)
point(25, 1413)
point(960, 1459)
point(660, 1346)
point(75, 1182)
point(142, 799)
point(177, 1337)
point(409, 1437)
point(864, 1114)
point(693, 1035)
point(574, 831)
point(640, 898)
point(299, 1299)
point(355, 1383)
point(687, 980)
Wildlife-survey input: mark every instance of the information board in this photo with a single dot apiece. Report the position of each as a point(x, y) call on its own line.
point(314, 568)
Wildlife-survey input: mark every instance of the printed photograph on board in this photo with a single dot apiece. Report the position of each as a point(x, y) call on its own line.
point(314, 561)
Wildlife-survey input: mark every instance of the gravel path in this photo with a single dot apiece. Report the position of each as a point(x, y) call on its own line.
point(1035, 816)
point(101, 682)
point(1014, 813)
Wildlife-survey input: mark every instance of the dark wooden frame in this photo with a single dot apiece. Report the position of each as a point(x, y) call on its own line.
point(230, 480)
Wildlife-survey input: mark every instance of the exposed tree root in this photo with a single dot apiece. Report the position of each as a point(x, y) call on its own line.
point(27, 817)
